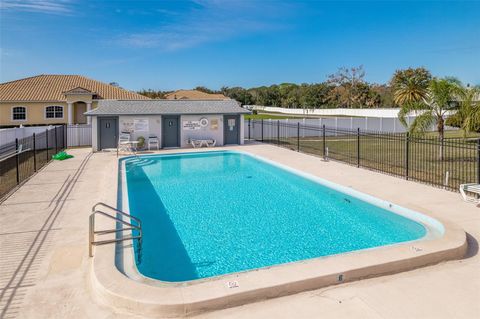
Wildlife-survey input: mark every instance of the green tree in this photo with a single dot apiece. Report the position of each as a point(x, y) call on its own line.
point(441, 98)
point(238, 93)
point(316, 95)
point(205, 90)
point(410, 85)
point(153, 94)
point(347, 81)
point(469, 112)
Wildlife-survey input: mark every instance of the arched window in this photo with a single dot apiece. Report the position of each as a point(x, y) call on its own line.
point(54, 112)
point(19, 113)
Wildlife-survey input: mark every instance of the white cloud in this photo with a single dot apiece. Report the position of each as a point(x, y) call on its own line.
point(40, 6)
point(212, 22)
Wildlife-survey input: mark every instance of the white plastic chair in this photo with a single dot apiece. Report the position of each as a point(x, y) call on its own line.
point(153, 142)
point(124, 142)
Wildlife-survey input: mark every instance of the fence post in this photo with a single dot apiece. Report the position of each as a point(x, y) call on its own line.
point(324, 142)
point(46, 141)
point(56, 141)
point(358, 147)
point(478, 161)
point(407, 153)
point(262, 130)
point(298, 136)
point(17, 160)
point(78, 134)
point(66, 136)
point(278, 132)
point(249, 126)
point(34, 153)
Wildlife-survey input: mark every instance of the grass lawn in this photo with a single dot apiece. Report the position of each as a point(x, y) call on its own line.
point(387, 154)
point(455, 134)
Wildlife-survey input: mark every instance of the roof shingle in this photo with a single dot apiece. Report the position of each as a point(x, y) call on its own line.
point(164, 107)
point(52, 87)
point(194, 95)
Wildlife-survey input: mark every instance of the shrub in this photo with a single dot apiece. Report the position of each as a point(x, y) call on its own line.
point(141, 141)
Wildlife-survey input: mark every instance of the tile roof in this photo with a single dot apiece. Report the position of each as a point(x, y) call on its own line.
point(151, 107)
point(194, 95)
point(52, 88)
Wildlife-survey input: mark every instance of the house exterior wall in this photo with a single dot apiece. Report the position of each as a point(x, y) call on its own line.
point(208, 132)
point(126, 123)
point(211, 131)
point(35, 113)
point(86, 98)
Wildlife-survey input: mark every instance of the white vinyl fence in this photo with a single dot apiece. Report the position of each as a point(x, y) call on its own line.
point(390, 125)
point(79, 135)
point(376, 124)
point(368, 112)
point(8, 135)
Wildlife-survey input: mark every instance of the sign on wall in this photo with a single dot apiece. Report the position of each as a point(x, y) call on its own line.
point(214, 124)
point(126, 126)
point(203, 122)
point(140, 125)
point(191, 125)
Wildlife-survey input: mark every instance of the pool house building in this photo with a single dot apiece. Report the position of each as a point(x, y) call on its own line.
point(174, 123)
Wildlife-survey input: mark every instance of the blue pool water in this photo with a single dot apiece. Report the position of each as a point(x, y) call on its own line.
point(208, 214)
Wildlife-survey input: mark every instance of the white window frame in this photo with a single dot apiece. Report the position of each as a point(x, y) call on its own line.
point(54, 112)
point(26, 115)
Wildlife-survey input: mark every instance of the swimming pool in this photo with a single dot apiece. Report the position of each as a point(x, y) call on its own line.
point(214, 213)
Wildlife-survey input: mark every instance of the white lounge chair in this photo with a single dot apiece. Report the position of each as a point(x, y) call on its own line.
point(470, 188)
point(199, 142)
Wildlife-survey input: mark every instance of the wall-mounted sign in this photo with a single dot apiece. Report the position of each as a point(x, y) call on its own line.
point(140, 125)
point(127, 126)
point(191, 125)
point(203, 122)
point(214, 124)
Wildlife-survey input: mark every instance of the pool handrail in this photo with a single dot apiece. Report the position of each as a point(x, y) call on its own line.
point(131, 226)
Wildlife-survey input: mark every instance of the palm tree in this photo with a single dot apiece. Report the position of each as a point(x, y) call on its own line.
point(442, 97)
point(410, 91)
point(410, 85)
point(470, 109)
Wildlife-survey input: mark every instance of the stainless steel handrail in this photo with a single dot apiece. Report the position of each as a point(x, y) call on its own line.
point(117, 210)
point(92, 232)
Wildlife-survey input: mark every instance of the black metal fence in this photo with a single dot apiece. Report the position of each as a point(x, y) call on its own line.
point(446, 163)
point(24, 157)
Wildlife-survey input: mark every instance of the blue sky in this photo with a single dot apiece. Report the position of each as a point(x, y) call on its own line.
point(173, 44)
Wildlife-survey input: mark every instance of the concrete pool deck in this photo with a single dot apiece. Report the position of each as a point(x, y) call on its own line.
point(45, 266)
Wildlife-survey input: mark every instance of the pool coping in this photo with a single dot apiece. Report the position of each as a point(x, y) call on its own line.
point(139, 295)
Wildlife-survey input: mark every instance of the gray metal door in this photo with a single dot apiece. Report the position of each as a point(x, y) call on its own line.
point(108, 132)
point(170, 132)
point(231, 128)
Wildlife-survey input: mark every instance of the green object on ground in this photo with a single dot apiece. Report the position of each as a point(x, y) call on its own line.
point(60, 156)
